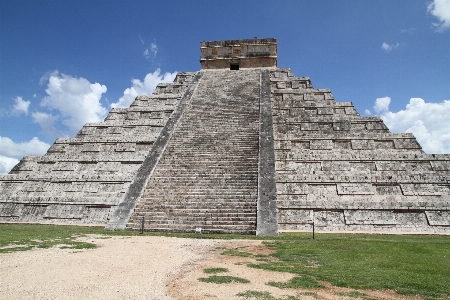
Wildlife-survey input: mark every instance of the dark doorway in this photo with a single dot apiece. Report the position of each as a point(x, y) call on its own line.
point(234, 66)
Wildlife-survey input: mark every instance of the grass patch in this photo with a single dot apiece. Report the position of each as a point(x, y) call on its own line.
point(263, 296)
point(407, 264)
point(256, 295)
point(304, 281)
point(234, 252)
point(223, 279)
point(22, 237)
point(215, 270)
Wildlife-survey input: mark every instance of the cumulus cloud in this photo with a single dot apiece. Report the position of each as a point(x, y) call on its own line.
point(47, 76)
point(389, 47)
point(46, 122)
point(7, 163)
point(21, 106)
point(17, 150)
point(441, 10)
point(427, 121)
point(76, 100)
point(145, 87)
point(382, 104)
point(11, 152)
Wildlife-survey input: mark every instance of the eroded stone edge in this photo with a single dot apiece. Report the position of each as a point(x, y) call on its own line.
point(267, 215)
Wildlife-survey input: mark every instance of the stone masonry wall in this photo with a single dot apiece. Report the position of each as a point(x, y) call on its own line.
point(347, 172)
point(82, 179)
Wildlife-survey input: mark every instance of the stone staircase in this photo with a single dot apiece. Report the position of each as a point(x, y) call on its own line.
point(208, 175)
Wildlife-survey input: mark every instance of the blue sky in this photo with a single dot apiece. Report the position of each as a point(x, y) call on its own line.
point(65, 63)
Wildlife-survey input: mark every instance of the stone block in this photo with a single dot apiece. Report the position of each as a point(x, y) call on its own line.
point(441, 165)
point(325, 111)
point(384, 218)
point(363, 144)
point(438, 218)
point(355, 189)
point(406, 144)
point(321, 144)
point(421, 190)
point(296, 216)
point(330, 219)
point(388, 189)
point(57, 211)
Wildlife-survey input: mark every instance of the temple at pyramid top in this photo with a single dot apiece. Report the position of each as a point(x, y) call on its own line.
point(239, 54)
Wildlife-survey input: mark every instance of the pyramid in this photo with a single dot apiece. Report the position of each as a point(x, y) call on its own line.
point(240, 146)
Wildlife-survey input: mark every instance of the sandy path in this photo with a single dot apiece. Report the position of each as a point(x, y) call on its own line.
point(159, 268)
point(120, 268)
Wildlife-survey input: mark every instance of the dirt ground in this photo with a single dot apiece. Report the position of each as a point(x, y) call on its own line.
point(147, 268)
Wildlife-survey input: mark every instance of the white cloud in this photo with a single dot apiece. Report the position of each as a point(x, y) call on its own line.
point(47, 76)
point(21, 106)
point(441, 10)
point(382, 104)
point(146, 87)
point(7, 163)
point(10, 152)
point(46, 122)
point(428, 122)
point(75, 99)
point(154, 48)
point(146, 54)
point(389, 47)
point(17, 150)
point(151, 52)
point(367, 112)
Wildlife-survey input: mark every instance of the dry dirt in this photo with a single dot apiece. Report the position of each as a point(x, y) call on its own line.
point(147, 268)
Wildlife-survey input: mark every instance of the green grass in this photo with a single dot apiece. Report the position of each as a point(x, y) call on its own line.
point(22, 237)
point(223, 279)
point(263, 296)
point(234, 252)
point(352, 294)
point(304, 281)
point(256, 295)
point(407, 264)
point(215, 270)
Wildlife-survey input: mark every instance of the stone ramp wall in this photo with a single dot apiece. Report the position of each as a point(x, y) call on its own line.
point(207, 176)
point(81, 180)
point(347, 172)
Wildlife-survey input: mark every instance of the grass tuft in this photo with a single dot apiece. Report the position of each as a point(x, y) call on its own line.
point(256, 295)
point(215, 270)
point(223, 279)
point(234, 252)
point(304, 281)
point(351, 294)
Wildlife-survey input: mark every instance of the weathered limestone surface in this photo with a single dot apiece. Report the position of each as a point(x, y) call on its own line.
point(347, 172)
point(254, 150)
point(250, 53)
point(208, 176)
point(82, 179)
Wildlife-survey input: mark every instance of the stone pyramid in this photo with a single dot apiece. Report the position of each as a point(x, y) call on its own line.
point(239, 147)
